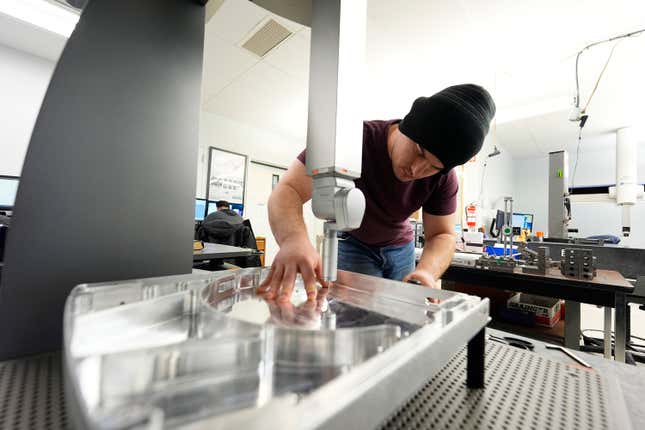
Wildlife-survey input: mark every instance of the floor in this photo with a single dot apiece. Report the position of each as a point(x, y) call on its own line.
point(592, 317)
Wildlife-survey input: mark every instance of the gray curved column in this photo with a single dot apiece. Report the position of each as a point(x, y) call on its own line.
point(108, 182)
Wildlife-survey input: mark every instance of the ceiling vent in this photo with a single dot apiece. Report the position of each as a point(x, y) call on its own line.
point(266, 38)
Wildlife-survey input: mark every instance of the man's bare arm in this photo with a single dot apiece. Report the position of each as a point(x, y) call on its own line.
point(438, 249)
point(296, 254)
point(286, 201)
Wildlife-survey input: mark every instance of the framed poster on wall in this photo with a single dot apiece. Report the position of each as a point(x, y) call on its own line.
point(226, 176)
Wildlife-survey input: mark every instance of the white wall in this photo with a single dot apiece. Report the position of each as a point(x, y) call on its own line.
point(531, 190)
point(595, 167)
point(257, 144)
point(23, 82)
point(497, 180)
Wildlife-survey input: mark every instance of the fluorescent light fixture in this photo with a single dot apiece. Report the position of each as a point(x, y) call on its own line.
point(43, 14)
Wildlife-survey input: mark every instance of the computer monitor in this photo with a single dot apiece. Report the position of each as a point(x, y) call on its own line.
point(238, 208)
point(8, 190)
point(523, 221)
point(212, 207)
point(200, 209)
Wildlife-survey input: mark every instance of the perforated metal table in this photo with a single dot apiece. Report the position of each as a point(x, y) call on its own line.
point(523, 390)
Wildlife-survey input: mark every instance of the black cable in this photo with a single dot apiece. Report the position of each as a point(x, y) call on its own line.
point(601, 341)
point(575, 165)
point(612, 334)
point(591, 45)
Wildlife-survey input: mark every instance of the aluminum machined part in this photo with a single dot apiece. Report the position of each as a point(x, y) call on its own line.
point(170, 352)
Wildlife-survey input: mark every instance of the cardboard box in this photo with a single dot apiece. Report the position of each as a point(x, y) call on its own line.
point(527, 308)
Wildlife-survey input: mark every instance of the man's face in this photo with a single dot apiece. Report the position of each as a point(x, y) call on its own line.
point(410, 161)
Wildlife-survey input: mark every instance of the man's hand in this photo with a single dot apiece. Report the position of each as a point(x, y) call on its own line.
point(296, 255)
point(423, 276)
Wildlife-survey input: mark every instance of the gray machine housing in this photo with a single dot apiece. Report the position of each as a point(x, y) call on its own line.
point(108, 181)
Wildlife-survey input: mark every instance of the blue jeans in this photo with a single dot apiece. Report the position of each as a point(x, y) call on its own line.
point(391, 262)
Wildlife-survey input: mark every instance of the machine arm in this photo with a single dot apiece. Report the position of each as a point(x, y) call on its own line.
point(334, 129)
point(335, 132)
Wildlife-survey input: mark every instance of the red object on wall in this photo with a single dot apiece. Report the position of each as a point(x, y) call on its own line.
point(471, 216)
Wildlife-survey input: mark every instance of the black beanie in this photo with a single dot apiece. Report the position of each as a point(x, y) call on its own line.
point(451, 124)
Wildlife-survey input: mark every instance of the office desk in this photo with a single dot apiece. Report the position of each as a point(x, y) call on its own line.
point(608, 289)
point(216, 251)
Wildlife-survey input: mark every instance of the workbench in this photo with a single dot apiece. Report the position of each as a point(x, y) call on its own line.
point(609, 289)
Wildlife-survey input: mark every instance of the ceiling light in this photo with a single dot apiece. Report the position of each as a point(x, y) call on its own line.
point(43, 14)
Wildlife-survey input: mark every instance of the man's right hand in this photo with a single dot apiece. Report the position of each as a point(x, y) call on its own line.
point(296, 255)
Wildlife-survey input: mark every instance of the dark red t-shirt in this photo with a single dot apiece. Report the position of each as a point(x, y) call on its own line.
point(390, 202)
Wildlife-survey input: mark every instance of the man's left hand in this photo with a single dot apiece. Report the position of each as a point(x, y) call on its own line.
point(423, 276)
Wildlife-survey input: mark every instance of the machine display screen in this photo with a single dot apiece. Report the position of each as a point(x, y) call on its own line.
point(8, 190)
point(523, 221)
point(200, 209)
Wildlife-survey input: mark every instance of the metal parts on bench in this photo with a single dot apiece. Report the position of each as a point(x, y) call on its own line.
point(492, 262)
point(180, 351)
point(536, 261)
point(578, 263)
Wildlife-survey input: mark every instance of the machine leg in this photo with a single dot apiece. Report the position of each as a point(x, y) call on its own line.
point(475, 364)
point(607, 331)
point(628, 330)
point(572, 325)
point(620, 327)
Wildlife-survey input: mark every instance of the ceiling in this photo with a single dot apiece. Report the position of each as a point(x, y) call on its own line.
point(523, 52)
point(268, 92)
point(29, 38)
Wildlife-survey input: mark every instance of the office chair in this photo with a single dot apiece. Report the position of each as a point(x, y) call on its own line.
point(225, 233)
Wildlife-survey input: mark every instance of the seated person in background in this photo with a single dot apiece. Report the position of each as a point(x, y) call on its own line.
point(222, 226)
point(226, 227)
point(224, 212)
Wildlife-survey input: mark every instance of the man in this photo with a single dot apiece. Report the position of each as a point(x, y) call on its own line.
point(224, 210)
point(226, 227)
point(222, 226)
point(407, 164)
